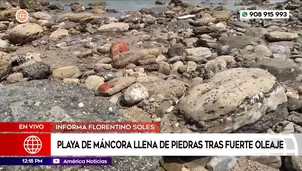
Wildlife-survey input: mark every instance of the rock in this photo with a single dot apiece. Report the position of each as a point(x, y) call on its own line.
point(289, 128)
point(206, 29)
point(167, 88)
point(298, 60)
point(282, 69)
point(295, 118)
point(111, 10)
point(298, 129)
point(266, 121)
point(240, 24)
point(248, 165)
point(3, 27)
point(198, 54)
point(117, 48)
point(235, 92)
point(169, 14)
point(223, 50)
point(75, 17)
point(56, 6)
point(44, 2)
point(172, 166)
point(85, 53)
point(104, 49)
point(177, 50)
point(160, 2)
point(206, 19)
point(51, 101)
point(5, 64)
point(178, 3)
point(294, 104)
point(71, 80)
point(76, 7)
point(281, 36)
point(36, 70)
point(207, 42)
point(115, 27)
point(108, 75)
point(163, 108)
point(164, 68)
point(24, 33)
point(135, 94)
point(221, 163)
point(238, 42)
point(93, 82)
point(177, 65)
point(123, 59)
point(135, 114)
point(222, 15)
point(8, 13)
point(190, 42)
point(191, 66)
point(114, 86)
point(179, 24)
point(41, 16)
point(97, 4)
point(59, 33)
point(98, 11)
point(293, 163)
point(30, 4)
point(106, 60)
point(5, 5)
point(101, 66)
point(15, 77)
point(263, 50)
point(280, 48)
point(146, 52)
point(219, 64)
point(292, 93)
point(65, 72)
point(271, 161)
point(157, 98)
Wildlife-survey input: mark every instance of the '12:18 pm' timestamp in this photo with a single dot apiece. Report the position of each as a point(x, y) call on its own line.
point(32, 161)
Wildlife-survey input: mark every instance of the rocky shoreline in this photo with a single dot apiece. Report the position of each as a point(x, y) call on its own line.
point(191, 68)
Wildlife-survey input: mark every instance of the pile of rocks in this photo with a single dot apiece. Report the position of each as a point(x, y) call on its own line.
point(191, 68)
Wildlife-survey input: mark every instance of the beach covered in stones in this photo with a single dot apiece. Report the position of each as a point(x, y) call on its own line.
point(194, 69)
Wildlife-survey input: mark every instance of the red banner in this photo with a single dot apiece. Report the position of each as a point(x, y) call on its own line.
point(25, 144)
point(25, 127)
point(78, 127)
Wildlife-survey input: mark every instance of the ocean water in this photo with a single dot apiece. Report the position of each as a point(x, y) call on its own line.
point(136, 5)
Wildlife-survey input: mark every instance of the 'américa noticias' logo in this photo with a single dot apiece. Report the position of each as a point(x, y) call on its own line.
point(22, 16)
point(32, 144)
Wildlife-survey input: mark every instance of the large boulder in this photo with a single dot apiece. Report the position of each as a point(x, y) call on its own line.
point(5, 64)
point(167, 88)
point(282, 69)
point(56, 102)
point(232, 99)
point(249, 165)
point(74, 17)
point(239, 42)
point(30, 4)
point(281, 36)
point(23, 33)
point(41, 16)
point(118, 27)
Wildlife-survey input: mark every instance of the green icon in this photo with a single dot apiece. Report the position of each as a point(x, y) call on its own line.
point(244, 14)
